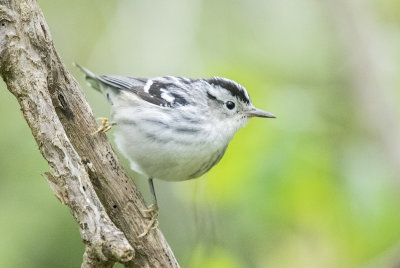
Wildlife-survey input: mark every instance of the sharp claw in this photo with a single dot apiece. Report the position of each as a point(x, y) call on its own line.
point(153, 208)
point(105, 126)
point(153, 224)
point(142, 235)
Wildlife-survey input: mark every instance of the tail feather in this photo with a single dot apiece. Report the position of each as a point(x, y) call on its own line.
point(90, 77)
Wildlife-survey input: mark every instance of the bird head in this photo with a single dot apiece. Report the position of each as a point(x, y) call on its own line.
point(230, 102)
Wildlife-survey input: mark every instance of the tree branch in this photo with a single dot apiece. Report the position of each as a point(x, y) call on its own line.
point(85, 172)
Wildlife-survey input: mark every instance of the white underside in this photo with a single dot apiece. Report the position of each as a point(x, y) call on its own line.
point(165, 161)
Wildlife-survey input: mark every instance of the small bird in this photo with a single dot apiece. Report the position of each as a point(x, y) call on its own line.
point(173, 128)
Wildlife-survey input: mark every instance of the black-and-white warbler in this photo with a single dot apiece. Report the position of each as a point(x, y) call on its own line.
point(174, 128)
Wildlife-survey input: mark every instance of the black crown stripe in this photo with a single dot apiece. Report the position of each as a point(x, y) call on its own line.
point(235, 89)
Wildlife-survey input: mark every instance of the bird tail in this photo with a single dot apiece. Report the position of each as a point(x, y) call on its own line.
point(90, 77)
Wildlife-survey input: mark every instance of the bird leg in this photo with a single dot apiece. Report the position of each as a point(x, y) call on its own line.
point(152, 212)
point(105, 126)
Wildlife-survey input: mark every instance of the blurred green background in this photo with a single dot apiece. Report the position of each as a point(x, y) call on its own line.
point(318, 187)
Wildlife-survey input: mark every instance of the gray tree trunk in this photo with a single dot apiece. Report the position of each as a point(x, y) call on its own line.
point(85, 172)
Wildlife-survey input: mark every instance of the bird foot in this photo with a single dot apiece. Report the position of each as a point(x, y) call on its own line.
point(105, 126)
point(152, 214)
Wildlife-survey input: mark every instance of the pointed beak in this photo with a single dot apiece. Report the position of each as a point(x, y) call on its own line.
point(254, 112)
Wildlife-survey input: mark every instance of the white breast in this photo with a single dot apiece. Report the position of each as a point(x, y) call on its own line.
point(169, 160)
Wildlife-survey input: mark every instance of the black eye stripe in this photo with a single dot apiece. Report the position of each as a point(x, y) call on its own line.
point(212, 97)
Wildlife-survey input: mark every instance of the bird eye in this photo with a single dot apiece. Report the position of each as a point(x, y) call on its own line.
point(230, 105)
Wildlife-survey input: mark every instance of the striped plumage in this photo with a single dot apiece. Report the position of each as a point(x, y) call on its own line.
point(174, 128)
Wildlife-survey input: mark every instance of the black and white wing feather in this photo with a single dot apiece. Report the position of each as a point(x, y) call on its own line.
point(161, 91)
point(165, 91)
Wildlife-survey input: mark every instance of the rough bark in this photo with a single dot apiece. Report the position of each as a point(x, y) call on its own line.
point(85, 172)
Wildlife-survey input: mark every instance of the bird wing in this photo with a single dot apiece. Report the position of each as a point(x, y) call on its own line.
point(162, 91)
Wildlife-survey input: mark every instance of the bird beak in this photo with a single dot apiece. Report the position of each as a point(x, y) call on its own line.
point(254, 112)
